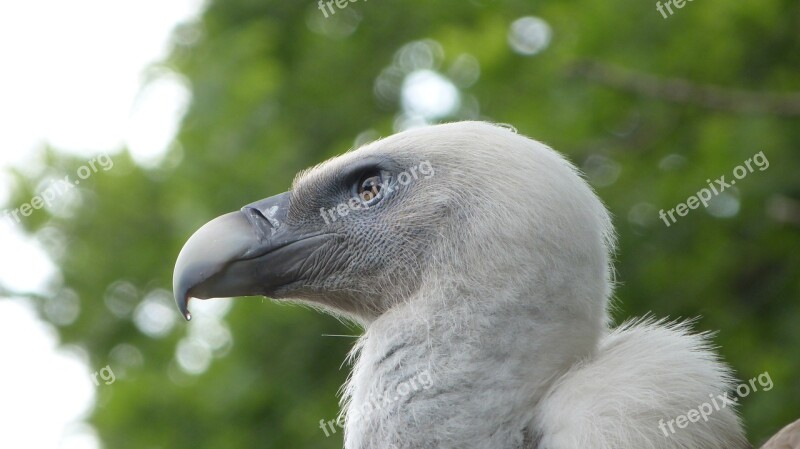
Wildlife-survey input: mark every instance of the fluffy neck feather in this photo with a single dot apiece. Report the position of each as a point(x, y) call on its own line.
point(447, 370)
point(435, 374)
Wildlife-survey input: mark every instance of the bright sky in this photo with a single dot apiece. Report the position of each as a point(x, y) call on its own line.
point(72, 76)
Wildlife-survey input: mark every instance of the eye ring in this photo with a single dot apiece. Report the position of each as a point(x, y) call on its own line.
point(369, 188)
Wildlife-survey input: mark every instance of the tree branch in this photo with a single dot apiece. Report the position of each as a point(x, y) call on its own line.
point(682, 91)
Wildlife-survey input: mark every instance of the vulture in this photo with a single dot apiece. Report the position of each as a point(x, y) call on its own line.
point(479, 263)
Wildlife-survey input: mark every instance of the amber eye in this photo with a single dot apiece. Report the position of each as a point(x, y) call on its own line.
point(369, 188)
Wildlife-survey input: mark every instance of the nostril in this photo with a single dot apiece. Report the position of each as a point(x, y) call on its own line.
point(267, 216)
point(263, 226)
point(254, 213)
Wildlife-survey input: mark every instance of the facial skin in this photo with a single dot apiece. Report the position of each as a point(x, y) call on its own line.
point(289, 247)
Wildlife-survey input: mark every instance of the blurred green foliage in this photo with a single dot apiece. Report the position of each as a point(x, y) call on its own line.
point(277, 87)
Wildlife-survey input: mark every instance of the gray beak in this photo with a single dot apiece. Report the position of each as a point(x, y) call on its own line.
point(250, 252)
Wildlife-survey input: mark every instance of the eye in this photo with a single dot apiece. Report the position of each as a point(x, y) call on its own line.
point(369, 188)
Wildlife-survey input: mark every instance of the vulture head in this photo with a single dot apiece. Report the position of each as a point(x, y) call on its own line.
point(459, 206)
point(480, 258)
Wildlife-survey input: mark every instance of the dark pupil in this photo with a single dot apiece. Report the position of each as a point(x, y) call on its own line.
point(370, 188)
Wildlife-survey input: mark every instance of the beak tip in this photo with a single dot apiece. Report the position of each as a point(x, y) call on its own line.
point(184, 309)
point(182, 301)
point(185, 312)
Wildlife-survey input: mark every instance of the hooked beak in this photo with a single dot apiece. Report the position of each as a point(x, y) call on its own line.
point(250, 252)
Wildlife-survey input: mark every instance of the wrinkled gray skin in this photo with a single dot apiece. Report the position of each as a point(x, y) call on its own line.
point(283, 248)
